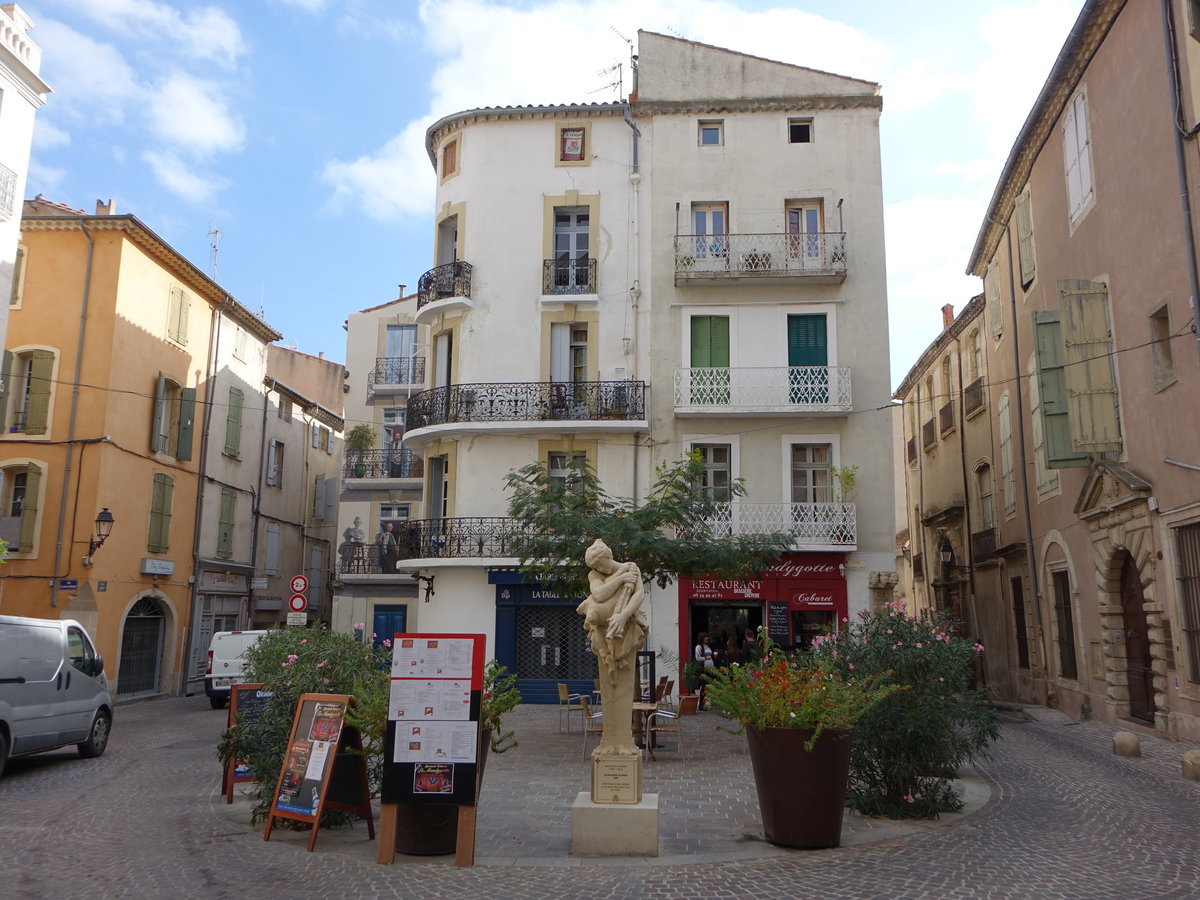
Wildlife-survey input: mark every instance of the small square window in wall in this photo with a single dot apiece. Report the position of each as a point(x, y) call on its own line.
point(571, 143)
point(712, 132)
point(800, 131)
point(450, 159)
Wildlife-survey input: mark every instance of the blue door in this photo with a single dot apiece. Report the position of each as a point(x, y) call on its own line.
point(387, 621)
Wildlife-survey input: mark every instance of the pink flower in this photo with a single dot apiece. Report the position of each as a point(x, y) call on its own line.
point(919, 645)
point(909, 798)
point(387, 642)
point(852, 665)
point(321, 664)
point(978, 647)
point(889, 631)
point(304, 641)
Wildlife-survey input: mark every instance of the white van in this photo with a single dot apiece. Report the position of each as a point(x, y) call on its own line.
point(225, 663)
point(52, 688)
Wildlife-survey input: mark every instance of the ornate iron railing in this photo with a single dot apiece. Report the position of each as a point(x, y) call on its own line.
point(708, 255)
point(393, 463)
point(813, 387)
point(463, 537)
point(569, 276)
point(528, 401)
point(451, 280)
point(398, 370)
point(813, 524)
point(929, 434)
point(946, 417)
point(359, 558)
point(973, 396)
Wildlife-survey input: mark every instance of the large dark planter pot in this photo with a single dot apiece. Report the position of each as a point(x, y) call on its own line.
point(801, 793)
point(431, 829)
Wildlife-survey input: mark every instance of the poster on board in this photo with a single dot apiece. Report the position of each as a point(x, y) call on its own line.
point(246, 703)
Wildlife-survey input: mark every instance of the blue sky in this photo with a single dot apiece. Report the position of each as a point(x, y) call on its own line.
point(296, 127)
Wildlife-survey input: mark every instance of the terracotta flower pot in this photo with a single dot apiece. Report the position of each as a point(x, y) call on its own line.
point(801, 793)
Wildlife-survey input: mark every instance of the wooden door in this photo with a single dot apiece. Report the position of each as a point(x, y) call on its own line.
point(1137, 642)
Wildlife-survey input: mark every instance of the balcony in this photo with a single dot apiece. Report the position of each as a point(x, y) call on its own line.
point(781, 390)
point(394, 375)
point(444, 289)
point(465, 538)
point(814, 525)
point(912, 451)
point(818, 258)
point(973, 397)
point(929, 435)
point(568, 276)
point(983, 544)
point(946, 418)
point(376, 465)
point(493, 406)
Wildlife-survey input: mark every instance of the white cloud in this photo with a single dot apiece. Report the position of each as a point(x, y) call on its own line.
point(47, 135)
point(91, 79)
point(185, 111)
point(175, 175)
point(396, 180)
point(310, 6)
point(43, 179)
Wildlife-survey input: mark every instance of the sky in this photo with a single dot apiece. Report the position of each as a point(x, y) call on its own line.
point(291, 132)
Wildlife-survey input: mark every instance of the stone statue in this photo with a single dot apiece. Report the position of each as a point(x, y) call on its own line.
point(616, 625)
point(358, 534)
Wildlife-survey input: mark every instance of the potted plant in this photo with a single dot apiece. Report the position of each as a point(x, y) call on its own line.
point(689, 700)
point(798, 714)
point(359, 440)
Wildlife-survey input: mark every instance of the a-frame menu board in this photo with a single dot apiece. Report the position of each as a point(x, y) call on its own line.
point(316, 774)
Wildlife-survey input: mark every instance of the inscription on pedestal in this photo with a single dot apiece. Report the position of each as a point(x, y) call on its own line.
point(617, 779)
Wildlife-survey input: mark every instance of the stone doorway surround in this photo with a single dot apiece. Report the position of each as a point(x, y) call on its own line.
point(1114, 505)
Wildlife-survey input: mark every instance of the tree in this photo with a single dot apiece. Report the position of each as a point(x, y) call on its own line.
point(677, 529)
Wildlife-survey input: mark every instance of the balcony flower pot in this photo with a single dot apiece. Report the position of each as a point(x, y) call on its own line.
point(801, 792)
point(359, 440)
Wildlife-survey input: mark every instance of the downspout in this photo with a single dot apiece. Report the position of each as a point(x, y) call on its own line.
point(1181, 135)
point(1031, 551)
point(66, 479)
point(268, 384)
point(635, 291)
point(962, 458)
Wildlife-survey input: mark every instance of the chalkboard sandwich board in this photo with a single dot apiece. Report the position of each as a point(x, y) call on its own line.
point(246, 701)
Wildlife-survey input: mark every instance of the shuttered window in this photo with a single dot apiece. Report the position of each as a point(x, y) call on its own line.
point(1008, 481)
point(710, 341)
point(991, 292)
point(1090, 374)
point(1077, 158)
point(1187, 541)
point(271, 566)
point(233, 422)
point(29, 507)
point(1025, 238)
point(1052, 392)
point(178, 310)
point(161, 497)
point(225, 527)
point(1047, 478)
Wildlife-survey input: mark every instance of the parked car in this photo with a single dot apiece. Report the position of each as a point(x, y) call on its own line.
point(225, 663)
point(52, 689)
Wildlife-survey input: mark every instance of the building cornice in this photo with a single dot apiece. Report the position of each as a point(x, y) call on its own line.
point(1088, 33)
point(314, 409)
point(459, 120)
point(705, 107)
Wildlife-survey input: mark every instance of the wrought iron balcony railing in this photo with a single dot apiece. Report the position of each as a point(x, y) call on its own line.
point(783, 387)
point(568, 276)
point(468, 537)
point(392, 463)
point(528, 402)
point(451, 280)
point(946, 417)
point(709, 255)
point(973, 396)
point(813, 524)
point(402, 370)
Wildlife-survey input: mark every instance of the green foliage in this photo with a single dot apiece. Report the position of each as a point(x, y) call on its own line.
point(361, 437)
point(845, 476)
point(907, 748)
point(296, 661)
point(668, 533)
point(692, 675)
point(785, 691)
point(500, 695)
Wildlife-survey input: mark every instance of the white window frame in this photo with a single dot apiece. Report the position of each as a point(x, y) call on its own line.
point(1077, 159)
point(717, 125)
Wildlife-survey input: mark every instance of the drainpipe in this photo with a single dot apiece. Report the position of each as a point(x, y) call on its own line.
point(66, 479)
point(268, 384)
point(1031, 551)
point(962, 458)
point(1181, 135)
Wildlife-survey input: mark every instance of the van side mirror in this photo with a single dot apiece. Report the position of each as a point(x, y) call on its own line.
point(97, 665)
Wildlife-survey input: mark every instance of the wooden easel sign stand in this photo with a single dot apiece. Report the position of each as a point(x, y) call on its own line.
point(316, 775)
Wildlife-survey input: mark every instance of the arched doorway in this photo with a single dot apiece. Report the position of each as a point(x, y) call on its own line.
point(1137, 641)
point(141, 649)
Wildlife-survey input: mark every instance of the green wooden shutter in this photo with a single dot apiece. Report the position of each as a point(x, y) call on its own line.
point(1052, 390)
point(1025, 238)
point(807, 341)
point(5, 387)
point(225, 529)
point(187, 422)
point(161, 496)
point(174, 306)
point(157, 440)
point(991, 293)
point(18, 277)
point(1090, 374)
point(233, 422)
point(29, 509)
point(710, 341)
point(37, 412)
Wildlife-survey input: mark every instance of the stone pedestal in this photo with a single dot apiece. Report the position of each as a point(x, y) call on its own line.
point(614, 829)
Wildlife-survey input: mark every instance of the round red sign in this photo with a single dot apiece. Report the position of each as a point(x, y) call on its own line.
point(298, 603)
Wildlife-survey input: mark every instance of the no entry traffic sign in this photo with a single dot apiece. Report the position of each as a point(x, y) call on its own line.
point(298, 603)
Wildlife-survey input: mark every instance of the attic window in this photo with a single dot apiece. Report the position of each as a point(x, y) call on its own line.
point(571, 145)
point(712, 132)
point(800, 131)
point(450, 159)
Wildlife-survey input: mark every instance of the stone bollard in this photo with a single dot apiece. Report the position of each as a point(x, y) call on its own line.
point(1126, 743)
point(1191, 765)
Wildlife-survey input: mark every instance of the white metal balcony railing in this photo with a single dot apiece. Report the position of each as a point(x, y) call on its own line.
point(708, 255)
point(787, 388)
point(813, 524)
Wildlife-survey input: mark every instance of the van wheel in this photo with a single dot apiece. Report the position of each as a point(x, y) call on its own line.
point(218, 701)
point(98, 737)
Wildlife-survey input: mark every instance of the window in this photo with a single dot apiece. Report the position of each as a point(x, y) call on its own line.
point(174, 418)
point(325, 498)
point(572, 144)
point(178, 308)
point(812, 476)
point(563, 466)
point(985, 488)
point(27, 379)
point(393, 428)
point(1008, 477)
point(401, 352)
point(161, 499)
point(1187, 543)
point(8, 192)
point(225, 525)
point(1051, 389)
point(1088, 366)
point(718, 473)
point(275, 464)
point(20, 485)
point(1160, 349)
point(1066, 625)
point(239, 344)
point(569, 352)
point(572, 271)
point(805, 224)
point(1025, 238)
point(18, 278)
point(709, 360)
point(975, 361)
point(396, 512)
point(285, 409)
point(991, 293)
point(711, 132)
point(316, 436)
point(800, 131)
point(1077, 151)
point(1018, 608)
point(450, 159)
point(1047, 478)
point(329, 441)
point(233, 422)
point(710, 226)
point(271, 563)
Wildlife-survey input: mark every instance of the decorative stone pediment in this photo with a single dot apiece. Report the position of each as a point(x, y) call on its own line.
point(945, 517)
point(1109, 487)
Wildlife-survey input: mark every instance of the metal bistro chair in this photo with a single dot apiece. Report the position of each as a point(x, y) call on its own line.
point(668, 697)
point(663, 721)
point(567, 704)
point(593, 722)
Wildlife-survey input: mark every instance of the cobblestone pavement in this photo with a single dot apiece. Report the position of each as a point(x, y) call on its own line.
point(1052, 814)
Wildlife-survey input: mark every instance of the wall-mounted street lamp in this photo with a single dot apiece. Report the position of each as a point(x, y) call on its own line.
point(946, 552)
point(104, 525)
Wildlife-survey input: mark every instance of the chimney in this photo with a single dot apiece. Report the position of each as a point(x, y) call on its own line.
point(402, 287)
point(321, 355)
point(947, 315)
point(106, 209)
